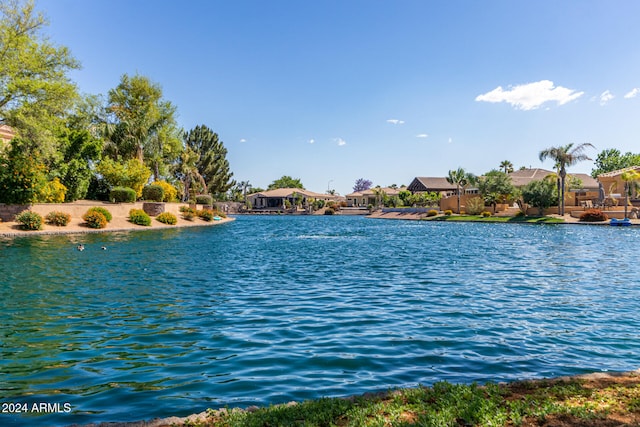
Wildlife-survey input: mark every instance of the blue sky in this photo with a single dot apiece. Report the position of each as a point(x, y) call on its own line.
point(332, 91)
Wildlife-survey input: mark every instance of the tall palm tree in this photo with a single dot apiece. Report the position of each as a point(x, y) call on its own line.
point(506, 166)
point(460, 178)
point(630, 176)
point(564, 156)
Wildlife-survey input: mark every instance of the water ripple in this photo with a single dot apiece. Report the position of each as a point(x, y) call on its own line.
point(272, 309)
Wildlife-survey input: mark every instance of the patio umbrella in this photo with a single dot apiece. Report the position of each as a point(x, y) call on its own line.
point(600, 192)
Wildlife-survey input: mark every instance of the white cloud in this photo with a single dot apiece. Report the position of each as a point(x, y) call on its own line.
point(531, 96)
point(605, 97)
point(422, 135)
point(311, 141)
point(243, 140)
point(450, 140)
point(633, 93)
point(340, 141)
point(395, 121)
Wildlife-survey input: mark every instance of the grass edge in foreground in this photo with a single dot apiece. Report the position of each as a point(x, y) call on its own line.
point(503, 219)
point(573, 402)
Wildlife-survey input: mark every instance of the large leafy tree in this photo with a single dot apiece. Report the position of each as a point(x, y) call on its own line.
point(496, 187)
point(611, 160)
point(141, 124)
point(286, 182)
point(210, 159)
point(540, 194)
point(461, 179)
point(564, 156)
point(35, 91)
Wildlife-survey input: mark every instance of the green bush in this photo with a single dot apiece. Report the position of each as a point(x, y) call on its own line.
point(58, 218)
point(170, 192)
point(139, 217)
point(154, 193)
point(432, 212)
point(122, 195)
point(474, 206)
point(204, 199)
point(486, 214)
point(29, 220)
point(103, 211)
point(329, 211)
point(95, 219)
point(206, 214)
point(167, 218)
point(593, 215)
point(448, 212)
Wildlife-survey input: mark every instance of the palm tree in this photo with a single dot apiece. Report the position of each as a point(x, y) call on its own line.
point(460, 178)
point(564, 156)
point(507, 166)
point(629, 177)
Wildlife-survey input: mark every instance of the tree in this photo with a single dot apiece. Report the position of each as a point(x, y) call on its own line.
point(362, 185)
point(186, 170)
point(35, 92)
point(132, 174)
point(141, 124)
point(286, 182)
point(496, 187)
point(460, 178)
point(210, 159)
point(506, 166)
point(540, 194)
point(611, 160)
point(80, 150)
point(564, 156)
point(22, 175)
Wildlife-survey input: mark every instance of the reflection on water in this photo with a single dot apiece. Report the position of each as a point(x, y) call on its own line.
point(272, 309)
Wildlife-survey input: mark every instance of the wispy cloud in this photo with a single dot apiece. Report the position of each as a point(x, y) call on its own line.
point(422, 135)
point(312, 141)
point(450, 140)
point(605, 97)
point(531, 96)
point(340, 141)
point(395, 121)
point(243, 140)
point(633, 93)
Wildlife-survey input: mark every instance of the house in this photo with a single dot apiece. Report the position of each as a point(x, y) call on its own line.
point(613, 185)
point(522, 177)
point(279, 198)
point(432, 184)
point(370, 197)
point(6, 134)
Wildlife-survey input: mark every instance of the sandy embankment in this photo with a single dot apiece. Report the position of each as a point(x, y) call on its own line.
point(120, 222)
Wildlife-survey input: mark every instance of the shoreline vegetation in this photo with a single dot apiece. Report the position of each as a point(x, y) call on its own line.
point(120, 222)
point(597, 400)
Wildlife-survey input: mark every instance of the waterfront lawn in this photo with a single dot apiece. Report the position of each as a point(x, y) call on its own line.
point(596, 401)
point(480, 218)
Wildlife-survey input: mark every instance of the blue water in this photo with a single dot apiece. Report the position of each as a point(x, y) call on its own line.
point(273, 309)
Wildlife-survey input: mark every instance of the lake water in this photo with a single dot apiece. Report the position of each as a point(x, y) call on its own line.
point(271, 309)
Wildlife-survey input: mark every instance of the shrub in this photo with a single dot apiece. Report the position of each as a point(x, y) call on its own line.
point(448, 212)
point(593, 215)
point(122, 195)
point(58, 218)
point(204, 199)
point(170, 192)
point(475, 205)
point(520, 214)
point(139, 217)
point(486, 214)
point(154, 193)
point(329, 211)
point(95, 219)
point(29, 220)
point(432, 212)
point(189, 214)
point(107, 215)
point(206, 214)
point(53, 192)
point(167, 218)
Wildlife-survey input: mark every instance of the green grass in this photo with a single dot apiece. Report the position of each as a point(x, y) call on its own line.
point(480, 218)
point(576, 402)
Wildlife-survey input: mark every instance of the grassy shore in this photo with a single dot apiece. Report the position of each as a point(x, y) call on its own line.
point(596, 400)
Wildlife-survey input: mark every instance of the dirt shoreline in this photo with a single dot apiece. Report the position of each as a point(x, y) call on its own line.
point(119, 223)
